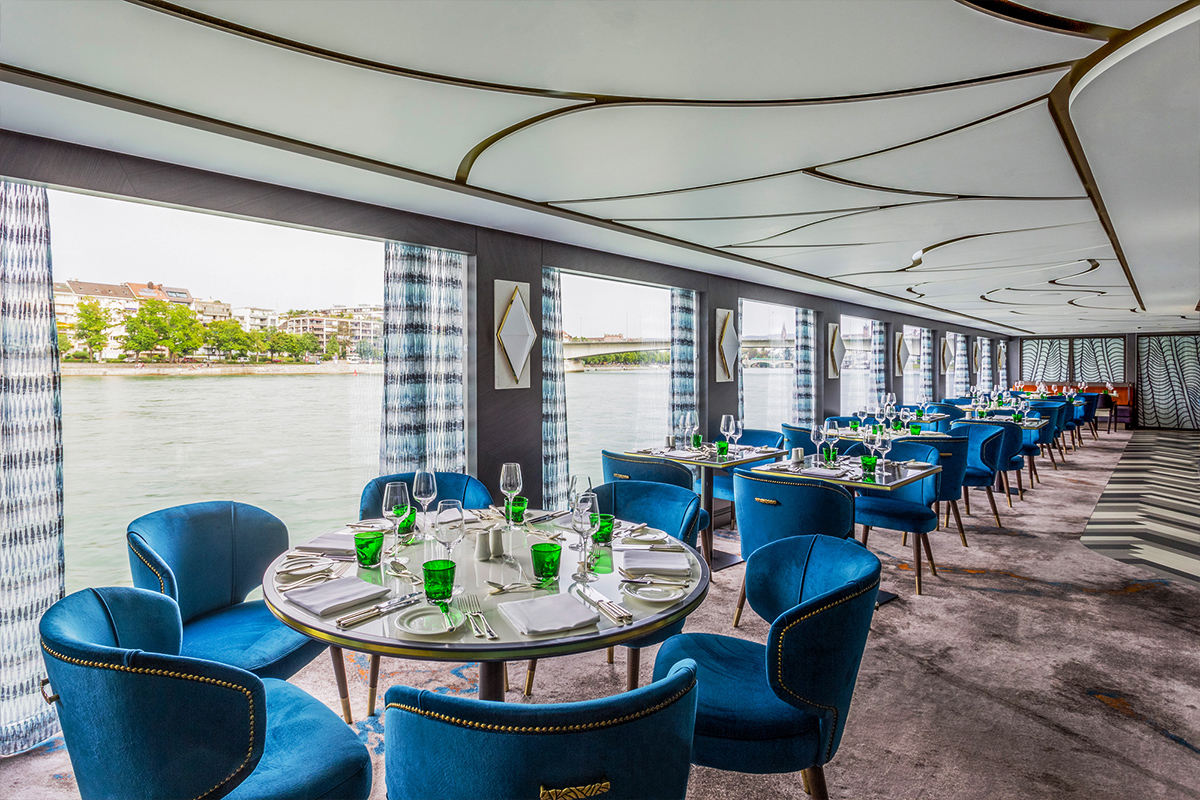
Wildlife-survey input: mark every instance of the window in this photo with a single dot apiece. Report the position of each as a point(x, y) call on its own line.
point(617, 347)
point(857, 384)
point(768, 364)
point(914, 391)
point(206, 416)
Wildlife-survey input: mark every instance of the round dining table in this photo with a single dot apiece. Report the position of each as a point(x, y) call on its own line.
point(388, 636)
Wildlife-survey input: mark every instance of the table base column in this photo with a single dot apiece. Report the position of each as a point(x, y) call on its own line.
point(491, 681)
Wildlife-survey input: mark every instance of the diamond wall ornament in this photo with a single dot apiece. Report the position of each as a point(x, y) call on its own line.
point(516, 335)
point(947, 355)
point(903, 354)
point(729, 345)
point(837, 350)
point(975, 355)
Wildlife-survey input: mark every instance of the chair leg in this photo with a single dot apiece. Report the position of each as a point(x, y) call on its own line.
point(1053, 463)
point(529, 672)
point(1007, 488)
point(995, 511)
point(928, 553)
point(804, 782)
point(1033, 473)
point(815, 777)
point(866, 533)
point(967, 499)
point(372, 684)
point(339, 676)
point(917, 559)
point(610, 654)
point(937, 515)
point(1020, 487)
point(633, 669)
point(505, 676)
point(946, 524)
point(737, 614)
point(961, 533)
point(903, 538)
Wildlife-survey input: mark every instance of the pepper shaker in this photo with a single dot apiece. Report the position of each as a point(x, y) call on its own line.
point(483, 548)
point(496, 541)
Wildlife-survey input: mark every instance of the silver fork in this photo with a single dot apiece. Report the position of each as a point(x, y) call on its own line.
point(471, 605)
point(461, 604)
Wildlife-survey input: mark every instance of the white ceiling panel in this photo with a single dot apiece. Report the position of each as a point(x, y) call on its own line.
point(1115, 13)
point(1019, 154)
point(622, 150)
point(747, 49)
point(721, 232)
point(416, 124)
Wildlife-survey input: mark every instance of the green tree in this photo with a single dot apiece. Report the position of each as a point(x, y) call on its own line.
point(307, 343)
point(64, 344)
point(224, 336)
point(332, 350)
point(148, 329)
point(367, 350)
point(344, 339)
point(185, 333)
point(92, 322)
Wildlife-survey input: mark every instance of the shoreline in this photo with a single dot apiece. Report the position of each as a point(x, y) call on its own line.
point(93, 370)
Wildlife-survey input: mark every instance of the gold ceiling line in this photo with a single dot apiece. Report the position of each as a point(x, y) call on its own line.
point(1042, 20)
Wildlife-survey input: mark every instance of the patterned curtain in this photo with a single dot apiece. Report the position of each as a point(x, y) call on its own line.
point(31, 497)
point(804, 396)
point(1100, 360)
point(1168, 382)
point(878, 383)
point(985, 363)
point(962, 369)
point(555, 464)
point(741, 360)
point(926, 365)
point(1002, 364)
point(423, 419)
point(683, 355)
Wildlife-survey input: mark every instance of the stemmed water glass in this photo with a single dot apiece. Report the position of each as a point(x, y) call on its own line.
point(889, 413)
point(890, 399)
point(861, 413)
point(727, 426)
point(586, 509)
point(449, 528)
point(873, 412)
point(510, 484)
point(906, 416)
point(832, 436)
point(574, 492)
point(817, 434)
point(395, 508)
point(883, 443)
point(688, 422)
point(738, 428)
point(424, 490)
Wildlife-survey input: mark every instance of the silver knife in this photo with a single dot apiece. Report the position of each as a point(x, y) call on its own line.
point(658, 548)
point(549, 515)
point(601, 601)
point(379, 610)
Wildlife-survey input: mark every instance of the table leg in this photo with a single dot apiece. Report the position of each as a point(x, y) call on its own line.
point(372, 683)
point(491, 681)
point(339, 675)
point(706, 535)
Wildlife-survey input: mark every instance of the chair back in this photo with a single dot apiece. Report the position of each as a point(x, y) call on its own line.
point(770, 507)
point(820, 593)
point(953, 455)
point(923, 492)
point(1091, 401)
point(140, 721)
point(844, 421)
point(957, 401)
point(464, 488)
point(660, 505)
point(636, 744)
point(984, 443)
point(621, 467)
point(794, 436)
point(759, 437)
point(1010, 442)
point(204, 556)
point(1058, 413)
point(954, 412)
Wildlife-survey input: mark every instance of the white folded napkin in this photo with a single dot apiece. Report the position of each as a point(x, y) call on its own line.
point(933, 433)
point(639, 562)
point(821, 472)
point(340, 542)
point(550, 614)
point(336, 595)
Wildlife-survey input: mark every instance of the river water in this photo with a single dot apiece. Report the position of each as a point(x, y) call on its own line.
point(299, 446)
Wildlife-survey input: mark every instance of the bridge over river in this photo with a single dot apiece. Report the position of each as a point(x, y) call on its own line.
point(575, 350)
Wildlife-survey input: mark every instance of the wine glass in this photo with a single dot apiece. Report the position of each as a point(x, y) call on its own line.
point(727, 426)
point(510, 484)
point(738, 428)
point(883, 443)
point(906, 416)
point(832, 435)
point(395, 508)
point(572, 490)
point(890, 399)
point(449, 528)
point(873, 412)
point(861, 413)
point(586, 509)
point(424, 490)
point(687, 421)
point(817, 434)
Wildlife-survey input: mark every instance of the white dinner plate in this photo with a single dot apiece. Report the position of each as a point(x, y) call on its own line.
point(653, 594)
point(426, 620)
point(371, 524)
point(645, 535)
point(303, 567)
point(917, 464)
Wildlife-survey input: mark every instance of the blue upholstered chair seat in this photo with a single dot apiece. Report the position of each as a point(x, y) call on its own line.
point(978, 477)
point(722, 486)
point(1018, 461)
point(882, 512)
point(248, 636)
point(1030, 449)
point(306, 751)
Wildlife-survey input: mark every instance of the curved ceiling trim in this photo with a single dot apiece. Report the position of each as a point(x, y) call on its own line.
point(1042, 20)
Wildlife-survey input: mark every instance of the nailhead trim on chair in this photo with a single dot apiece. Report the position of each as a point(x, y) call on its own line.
point(486, 726)
point(162, 587)
point(767, 501)
point(813, 613)
point(182, 675)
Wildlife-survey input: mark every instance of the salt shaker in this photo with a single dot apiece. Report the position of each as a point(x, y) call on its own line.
point(483, 548)
point(496, 541)
point(797, 456)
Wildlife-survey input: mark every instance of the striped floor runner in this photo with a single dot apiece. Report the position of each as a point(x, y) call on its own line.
point(1149, 514)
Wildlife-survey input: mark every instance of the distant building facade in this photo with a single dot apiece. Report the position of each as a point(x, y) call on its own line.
point(255, 319)
point(117, 298)
point(210, 310)
point(325, 328)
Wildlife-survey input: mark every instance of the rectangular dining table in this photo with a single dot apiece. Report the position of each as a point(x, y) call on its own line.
point(738, 457)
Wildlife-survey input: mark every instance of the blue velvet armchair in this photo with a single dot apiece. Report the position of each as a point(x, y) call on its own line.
point(773, 507)
point(794, 437)
point(1010, 458)
point(952, 453)
point(1057, 412)
point(953, 412)
point(632, 745)
point(141, 721)
point(208, 557)
point(983, 460)
point(668, 508)
point(782, 707)
point(466, 489)
point(621, 467)
point(752, 437)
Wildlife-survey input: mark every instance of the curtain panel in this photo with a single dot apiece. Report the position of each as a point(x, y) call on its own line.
point(962, 367)
point(555, 463)
point(878, 382)
point(926, 366)
point(741, 375)
point(424, 424)
point(31, 485)
point(985, 364)
point(804, 394)
point(683, 356)
point(1168, 381)
point(1002, 366)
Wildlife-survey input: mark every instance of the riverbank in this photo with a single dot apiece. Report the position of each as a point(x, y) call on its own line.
point(84, 369)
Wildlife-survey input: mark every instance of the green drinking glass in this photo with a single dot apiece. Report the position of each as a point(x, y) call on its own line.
point(869, 462)
point(604, 533)
point(697, 440)
point(722, 449)
point(517, 509)
point(876, 428)
point(547, 556)
point(368, 546)
point(915, 430)
point(853, 424)
point(831, 456)
point(897, 425)
point(439, 580)
point(919, 413)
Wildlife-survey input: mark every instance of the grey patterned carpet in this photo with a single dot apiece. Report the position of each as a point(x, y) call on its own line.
point(1032, 667)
